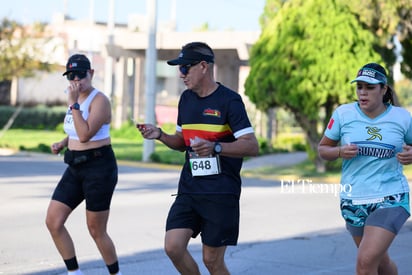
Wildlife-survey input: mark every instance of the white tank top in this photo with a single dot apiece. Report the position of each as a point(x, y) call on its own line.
point(102, 133)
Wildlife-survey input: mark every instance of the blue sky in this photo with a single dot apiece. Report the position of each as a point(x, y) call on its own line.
point(219, 14)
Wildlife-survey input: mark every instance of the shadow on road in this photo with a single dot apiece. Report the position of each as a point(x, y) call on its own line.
point(321, 252)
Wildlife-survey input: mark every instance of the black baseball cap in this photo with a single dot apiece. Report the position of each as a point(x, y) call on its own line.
point(77, 62)
point(192, 53)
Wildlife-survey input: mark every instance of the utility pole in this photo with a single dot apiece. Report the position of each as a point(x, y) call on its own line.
point(108, 77)
point(150, 68)
point(91, 26)
point(173, 15)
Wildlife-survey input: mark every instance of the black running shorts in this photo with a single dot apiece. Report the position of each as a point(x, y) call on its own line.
point(93, 180)
point(215, 217)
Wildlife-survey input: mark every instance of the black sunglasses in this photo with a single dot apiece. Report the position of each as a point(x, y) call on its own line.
point(80, 75)
point(184, 69)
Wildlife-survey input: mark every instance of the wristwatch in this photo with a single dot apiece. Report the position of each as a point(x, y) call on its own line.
point(75, 106)
point(217, 149)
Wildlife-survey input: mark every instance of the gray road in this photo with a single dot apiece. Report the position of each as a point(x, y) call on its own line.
point(287, 227)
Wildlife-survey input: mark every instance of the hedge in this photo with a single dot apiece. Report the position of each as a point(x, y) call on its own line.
point(39, 117)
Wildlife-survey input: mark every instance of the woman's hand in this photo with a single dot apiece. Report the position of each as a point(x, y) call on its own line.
point(405, 157)
point(348, 151)
point(56, 147)
point(73, 91)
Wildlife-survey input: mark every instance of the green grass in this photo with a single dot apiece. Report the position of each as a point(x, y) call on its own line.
point(30, 140)
point(127, 144)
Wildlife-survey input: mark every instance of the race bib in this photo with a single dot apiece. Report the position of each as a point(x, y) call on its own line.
point(204, 166)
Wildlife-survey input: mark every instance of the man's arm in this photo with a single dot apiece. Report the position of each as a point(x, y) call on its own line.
point(175, 141)
point(246, 145)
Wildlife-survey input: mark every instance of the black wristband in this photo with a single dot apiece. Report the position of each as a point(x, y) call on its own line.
point(160, 133)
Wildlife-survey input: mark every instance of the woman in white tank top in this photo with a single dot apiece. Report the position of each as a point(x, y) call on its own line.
point(91, 174)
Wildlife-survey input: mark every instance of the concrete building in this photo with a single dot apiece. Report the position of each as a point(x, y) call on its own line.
point(118, 55)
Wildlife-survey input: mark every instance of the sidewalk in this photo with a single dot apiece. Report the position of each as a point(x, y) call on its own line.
point(275, 160)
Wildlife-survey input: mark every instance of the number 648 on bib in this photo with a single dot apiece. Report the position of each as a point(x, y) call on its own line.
point(205, 166)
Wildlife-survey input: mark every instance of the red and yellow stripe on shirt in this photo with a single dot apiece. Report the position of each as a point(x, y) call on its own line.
point(210, 132)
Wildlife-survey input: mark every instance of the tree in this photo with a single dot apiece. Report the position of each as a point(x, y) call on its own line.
point(21, 49)
point(307, 53)
point(404, 34)
point(390, 21)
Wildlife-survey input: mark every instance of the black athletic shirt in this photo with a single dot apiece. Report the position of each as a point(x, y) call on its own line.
point(222, 117)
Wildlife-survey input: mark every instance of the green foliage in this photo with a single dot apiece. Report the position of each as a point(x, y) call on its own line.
point(300, 62)
point(404, 92)
point(43, 148)
point(264, 146)
point(290, 142)
point(39, 117)
point(304, 60)
point(21, 49)
point(30, 140)
point(128, 145)
point(128, 131)
point(168, 157)
point(387, 19)
point(287, 142)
